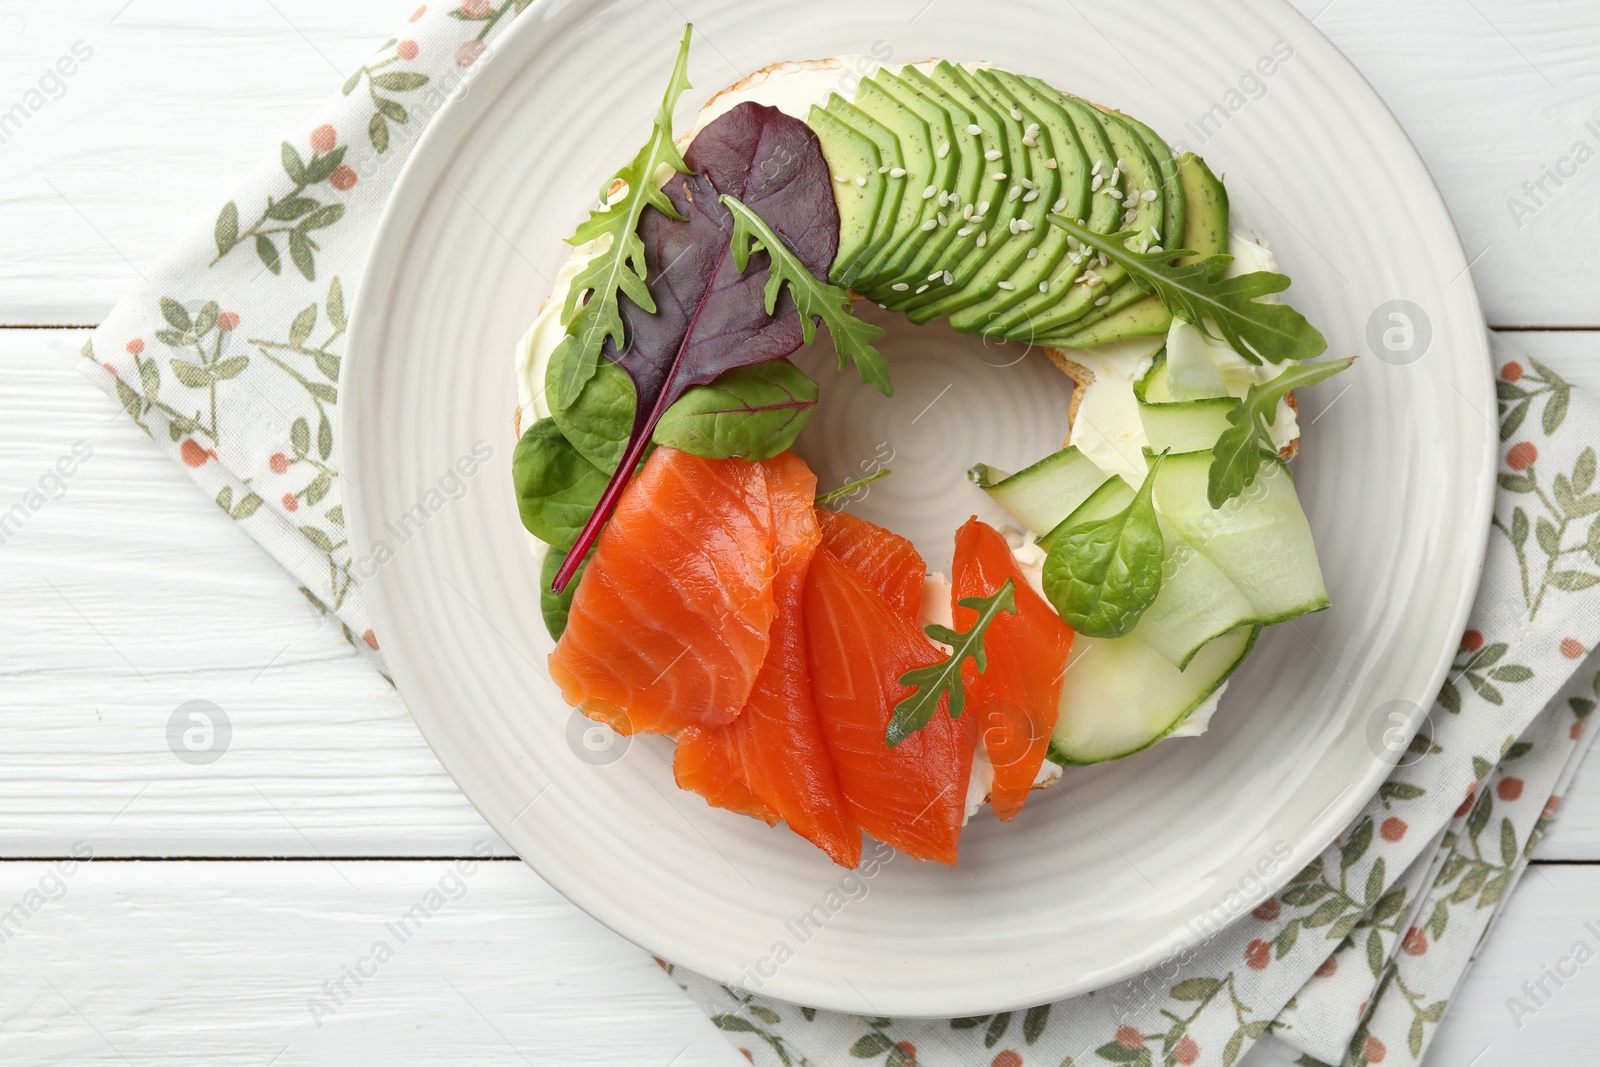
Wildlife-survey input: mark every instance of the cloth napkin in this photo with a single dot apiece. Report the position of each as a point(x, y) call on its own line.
point(228, 357)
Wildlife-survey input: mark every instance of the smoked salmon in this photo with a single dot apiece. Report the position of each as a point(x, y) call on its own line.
point(772, 761)
point(671, 623)
point(1014, 701)
point(911, 797)
point(883, 559)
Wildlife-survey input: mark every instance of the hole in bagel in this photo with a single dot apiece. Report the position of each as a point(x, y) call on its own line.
point(959, 399)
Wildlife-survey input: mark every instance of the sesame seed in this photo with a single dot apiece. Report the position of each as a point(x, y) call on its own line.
point(1033, 251)
point(976, 219)
point(1005, 285)
point(1016, 191)
point(1050, 164)
point(983, 238)
point(1032, 195)
point(884, 306)
point(993, 154)
point(1120, 164)
point(1131, 203)
point(999, 175)
point(983, 207)
point(1072, 243)
point(949, 279)
point(927, 194)
point(861, 179)
point(930, 225)
point(943, 149)
point(1029, 142)
point(897, 172)
point(900, 287)
point(1024, 225)
point(1102, 302)
point(1097, 165)
point(884, 169)
point(1012, 225)
point(921, 289)
point(1059, 206)
point(942, 220)
point(1044, 287)
point(1033, 129)
point(965, 231)
point(936, 275)
point(944, 198)
point(1157, 248)
point(975, 130)
point(1148, 195)
point(1116, 172)
point(841, 178)
point(1027, 184)
point(1099, 180)
point(966, 211)
point(1016, 113)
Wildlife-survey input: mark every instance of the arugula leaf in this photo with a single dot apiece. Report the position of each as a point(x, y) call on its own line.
point(1103, 575)
point(833, 496)
point(1237, 456)
point(936, 679)
point(749, 413)
point(556, 487)
point(620, 268)
point(815, 297)
point(711, 317)
point(1197, 291)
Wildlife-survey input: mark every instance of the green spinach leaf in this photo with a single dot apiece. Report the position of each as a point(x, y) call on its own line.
point(599, 418)
point(1102, 575)
point(1198, 293)
point(554, 606)
point(556, 487)
point(935, 680)
point(750, 412)
point(1237, 456)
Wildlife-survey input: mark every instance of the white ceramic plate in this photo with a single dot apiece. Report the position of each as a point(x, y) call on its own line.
point(1121, 865)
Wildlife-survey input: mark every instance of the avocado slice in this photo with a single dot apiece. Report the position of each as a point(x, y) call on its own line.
point(1100, 213)
point(1127, 293)
point(943, 89)
point(858, 185)
point(954, 121)
point(1001, 203)
point(1139, 174)
point(1055, 142)
point(915, 121)
point(1205, 231)
point(884, 227)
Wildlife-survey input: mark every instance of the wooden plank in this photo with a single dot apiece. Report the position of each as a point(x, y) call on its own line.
point(225, 962)
point(132, 594)
point(182, 97)
point(1551, 911)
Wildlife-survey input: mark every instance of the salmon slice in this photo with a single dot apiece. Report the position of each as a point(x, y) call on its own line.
point(884, 560)
point(705, 762)
point(913, 796)
point(775, 749)
point(672, 620)
point(1015, 700)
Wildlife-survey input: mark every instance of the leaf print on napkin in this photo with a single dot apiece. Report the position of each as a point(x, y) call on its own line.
point(1571, 564)
point(386, 109)
point(293, 216)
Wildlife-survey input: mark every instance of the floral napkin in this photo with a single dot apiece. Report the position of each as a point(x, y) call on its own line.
point(229, 358)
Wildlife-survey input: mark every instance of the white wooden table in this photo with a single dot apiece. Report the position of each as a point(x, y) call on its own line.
point(222, 897)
